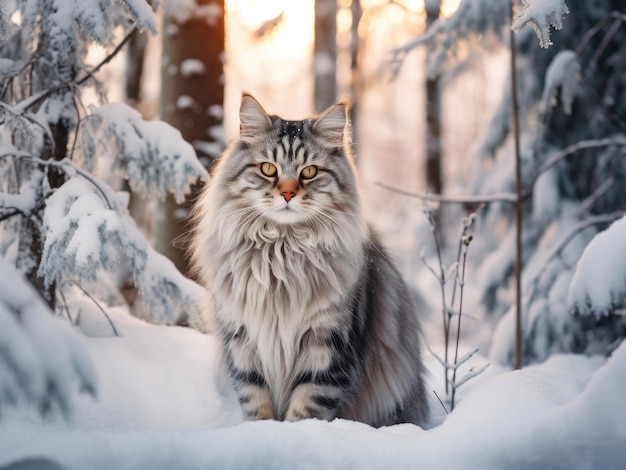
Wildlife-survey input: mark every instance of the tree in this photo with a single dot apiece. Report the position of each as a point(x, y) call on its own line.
point(192, 98)
point(572, 157)
point(434, 181)
point(64, 228)
point(325, 54)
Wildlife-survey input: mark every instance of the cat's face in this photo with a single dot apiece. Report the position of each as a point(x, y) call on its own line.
point(291, 172)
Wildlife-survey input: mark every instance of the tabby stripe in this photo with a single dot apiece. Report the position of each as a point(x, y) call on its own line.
point(251, 377)
point(297, 150)
point(240, 172)
point(334, 175)
point(275, 154)
point(326, 402)
point(336, 377)
point(245, 399)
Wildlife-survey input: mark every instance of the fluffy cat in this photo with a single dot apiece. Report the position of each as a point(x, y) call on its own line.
point(315, 320)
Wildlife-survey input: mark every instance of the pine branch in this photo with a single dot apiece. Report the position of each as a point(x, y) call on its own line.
point(558, 248)
point(36, 99)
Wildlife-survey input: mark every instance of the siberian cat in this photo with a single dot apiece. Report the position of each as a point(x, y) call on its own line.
point(315, 320)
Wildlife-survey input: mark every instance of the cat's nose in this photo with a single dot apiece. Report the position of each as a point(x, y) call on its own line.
point(287, 195)
point(288, 189)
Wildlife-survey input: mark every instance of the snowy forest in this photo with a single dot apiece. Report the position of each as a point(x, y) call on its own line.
point(490, 140)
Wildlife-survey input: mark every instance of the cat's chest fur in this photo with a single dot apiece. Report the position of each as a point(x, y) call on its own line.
point(278, 284)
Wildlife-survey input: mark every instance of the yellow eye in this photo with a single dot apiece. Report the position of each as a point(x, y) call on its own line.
point(309, 172)
point(268, 169)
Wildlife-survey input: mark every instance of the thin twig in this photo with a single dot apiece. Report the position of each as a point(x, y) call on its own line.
point(478, 199)
point(442, 282)
point(110, 57)
point(99, 307)
point(70, 170)
point(442, 405)
point(64, 300)
point(466, 243)
point(596, 28)
point(518, 201)
point(511, 198)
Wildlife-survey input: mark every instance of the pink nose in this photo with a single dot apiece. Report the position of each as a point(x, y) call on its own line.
point(287, 195)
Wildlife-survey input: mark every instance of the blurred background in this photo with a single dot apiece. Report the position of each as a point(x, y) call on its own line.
point(299, 57)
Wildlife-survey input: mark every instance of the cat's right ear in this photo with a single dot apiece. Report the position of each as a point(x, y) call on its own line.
point(253, 120)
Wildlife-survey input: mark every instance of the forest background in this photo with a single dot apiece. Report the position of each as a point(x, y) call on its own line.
point(500, 195)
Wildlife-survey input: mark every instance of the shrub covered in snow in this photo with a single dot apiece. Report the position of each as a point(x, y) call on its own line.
point(572, 116)
point(64, 228)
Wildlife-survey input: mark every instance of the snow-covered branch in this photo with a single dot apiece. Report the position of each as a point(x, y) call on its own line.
point(541, 15)
point(152, 154)
point(40, 356)
point(599, 284)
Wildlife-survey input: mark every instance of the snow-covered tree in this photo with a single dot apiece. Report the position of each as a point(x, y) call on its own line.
point(62, 226)
point(573, 141)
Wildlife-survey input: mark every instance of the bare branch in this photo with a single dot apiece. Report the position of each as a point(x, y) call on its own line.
point(511, 198)
point(480, 199)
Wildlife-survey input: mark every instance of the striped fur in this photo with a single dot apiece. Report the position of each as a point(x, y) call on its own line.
point(314, 318)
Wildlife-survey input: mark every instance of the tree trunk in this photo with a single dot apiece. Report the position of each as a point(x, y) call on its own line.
point(192, 98)
point(325, 53)
point(355, 77)
point(434, 181)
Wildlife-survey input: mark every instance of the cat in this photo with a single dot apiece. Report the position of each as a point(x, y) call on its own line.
point(314, 319)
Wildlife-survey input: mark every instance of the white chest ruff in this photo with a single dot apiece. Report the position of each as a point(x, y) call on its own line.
point(278, 291)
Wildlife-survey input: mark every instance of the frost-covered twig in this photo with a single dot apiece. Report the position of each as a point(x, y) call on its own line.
point(68, 167)
point(466, 243)
point(470, 375)
point(442, 285)
point(540, 15)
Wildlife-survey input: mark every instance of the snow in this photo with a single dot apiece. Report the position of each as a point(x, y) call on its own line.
point(599, 283)
point(192, 67)
point(183, 10)
point(563, 73)
point(541, 15)
point(41, 359)
point(152, 154)
point(164, 402)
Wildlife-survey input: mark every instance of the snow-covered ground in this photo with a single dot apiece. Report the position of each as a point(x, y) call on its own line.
point(164, 403)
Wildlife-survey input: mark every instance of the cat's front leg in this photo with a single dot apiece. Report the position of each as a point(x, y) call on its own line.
point(245, 371)
point(326, 374)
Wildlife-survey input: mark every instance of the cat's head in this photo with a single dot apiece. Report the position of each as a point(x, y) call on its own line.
point(291, 172)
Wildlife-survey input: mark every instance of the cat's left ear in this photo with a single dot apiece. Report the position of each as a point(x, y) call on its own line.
point(253, 120)
point(332, 124)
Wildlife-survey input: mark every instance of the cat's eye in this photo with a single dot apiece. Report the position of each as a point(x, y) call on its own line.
point(309, 172)
point(268, 169)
